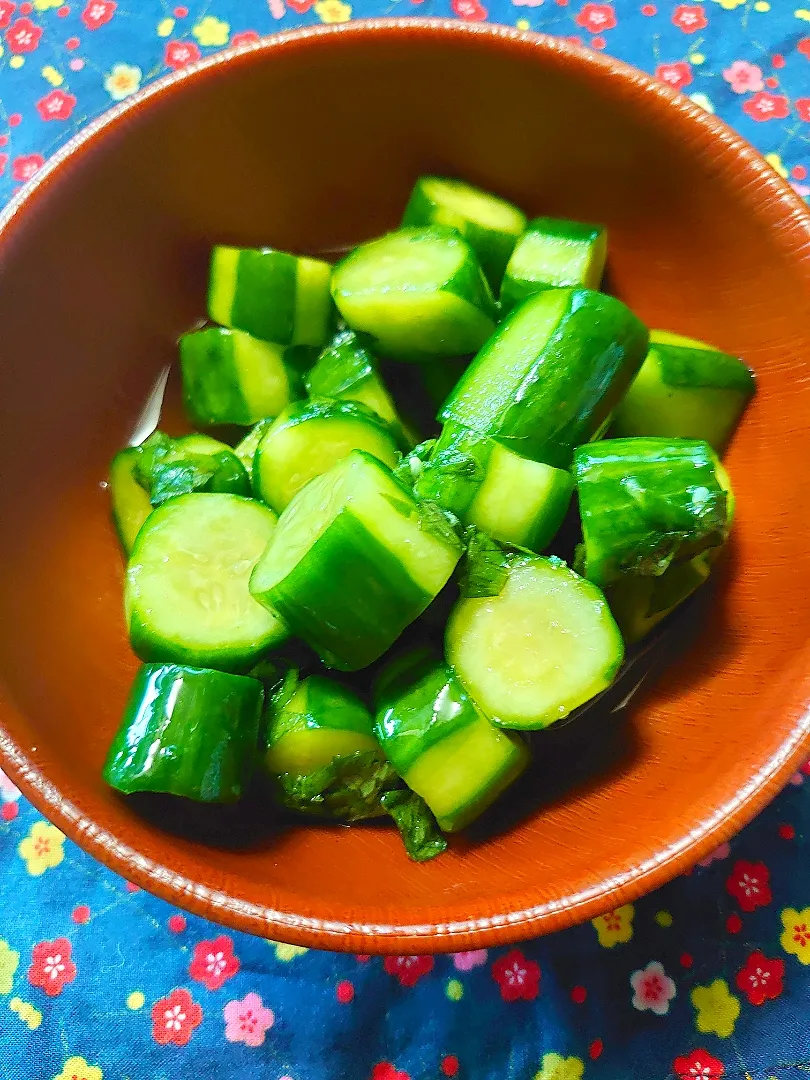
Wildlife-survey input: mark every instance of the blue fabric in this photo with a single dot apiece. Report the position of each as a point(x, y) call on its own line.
point(708, 977)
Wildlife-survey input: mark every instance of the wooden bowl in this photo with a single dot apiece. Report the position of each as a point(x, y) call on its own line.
point(311, 141)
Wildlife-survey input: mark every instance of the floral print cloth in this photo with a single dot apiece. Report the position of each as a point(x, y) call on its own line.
point(707, 978)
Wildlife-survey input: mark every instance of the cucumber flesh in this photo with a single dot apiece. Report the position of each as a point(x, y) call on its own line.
point(489, 224)
point(188, 732)
point(230, 377)
point(420, 294)
point(307, 439)
point(186, 597)
point(537, 650)
point(685, 389)
point(551, 374)
point(351, 563)
point(245, 450)
point(553, 253)
point(130, 501)
point(347, 370)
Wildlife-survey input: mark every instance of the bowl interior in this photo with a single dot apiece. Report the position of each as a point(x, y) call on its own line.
point(313, 143)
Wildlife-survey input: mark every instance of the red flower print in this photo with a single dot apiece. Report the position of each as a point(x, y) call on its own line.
point(386, 1071)
point(56, 105)
point(699, 1064)
point(689, 18)
point(516, 976)
point(179, 53)
point(676, 75)
point(247, 37)
point(748, 882)
point(175, 1017)
point(803, 47)
point(23, 36)
point(803, 108)
point(98, 12)
point(596, 17)
point(761, 979)
point(26, 165)
point(408, 969)
point(471, 10)
point(51, 966)
point(7, 10)
point(213, 962)
point(300, 6)
point(764, 106)
point(9, 810)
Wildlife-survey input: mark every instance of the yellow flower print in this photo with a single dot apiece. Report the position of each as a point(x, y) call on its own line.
point(212, 31)
point(717, 1008)
point(554, 1067)
point(76, 1068)
point(43, 5)
point(795, 937)
point(42, 848)
point(803, 14)
point(8, 965)
point(165, 27)
point(729, 5)
point(123, 80)
point(615, 926)
point(51, 75)
point(27, 1013)
point(285, 953)
point(333, 11)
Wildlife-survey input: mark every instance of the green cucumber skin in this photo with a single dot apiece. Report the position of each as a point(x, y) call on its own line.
point(556, 398)
point(493, 247)
point(211, 393)
point(343, 365)
point(328, 705)
point(264, 298)
point(189, 732)
point(704, 368)
point(167, 467)
point(647, 504)
point(515, 289)
point(350, 610)
point(245, 450)
point(455, 469)
point(130, 501)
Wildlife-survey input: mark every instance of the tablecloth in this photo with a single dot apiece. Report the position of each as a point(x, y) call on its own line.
point(707, 978)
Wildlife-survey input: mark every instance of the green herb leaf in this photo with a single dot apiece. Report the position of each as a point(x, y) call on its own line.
point(485, 568)
point(417, 825)
point(440, 523)
point(349, 788)
point(411, 465)
point(171, 478)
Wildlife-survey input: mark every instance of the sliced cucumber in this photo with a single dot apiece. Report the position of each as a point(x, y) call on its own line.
point(169, 467)
point(271, 294)
point(646, 504)
point(513, 499)
point(553, 252)
point(189, 732)
point(308, 438)
point(490, 225)
point(640, 603)
point(551, 374)
point(352, 562)
point(130, 501)
point(245, 450)
point(442, 746)
point(420, 293)
point(686, 389)
point(186, 596)
point(230, 377)
point(542, 646)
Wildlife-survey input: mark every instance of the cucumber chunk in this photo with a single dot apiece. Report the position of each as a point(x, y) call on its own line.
point(245, 450)
point(130, 501)
point(541, 646)
point(551, 374)
point(170, 467)
point(230, 377)
point(646, 504)
point(189, 732)
point(186, 595)
point(442, 746)
point(353, 562)
point(553, 252)
point(322, 752)
point(271, 295)
point(687, 390)
point(420, 293)
point(306, 441)
point(490, 225)
point(513, 499)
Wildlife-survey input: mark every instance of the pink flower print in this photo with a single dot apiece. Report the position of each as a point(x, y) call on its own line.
point(717, 855)
point(247, 1021)
point(466, 961)
point(8, 792)
point(744, 78)
point(652, 989)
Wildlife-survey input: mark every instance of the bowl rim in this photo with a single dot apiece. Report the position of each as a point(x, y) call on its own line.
point(784, 210)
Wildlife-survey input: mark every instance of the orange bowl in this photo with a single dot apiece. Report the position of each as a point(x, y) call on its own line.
point(311, 141)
